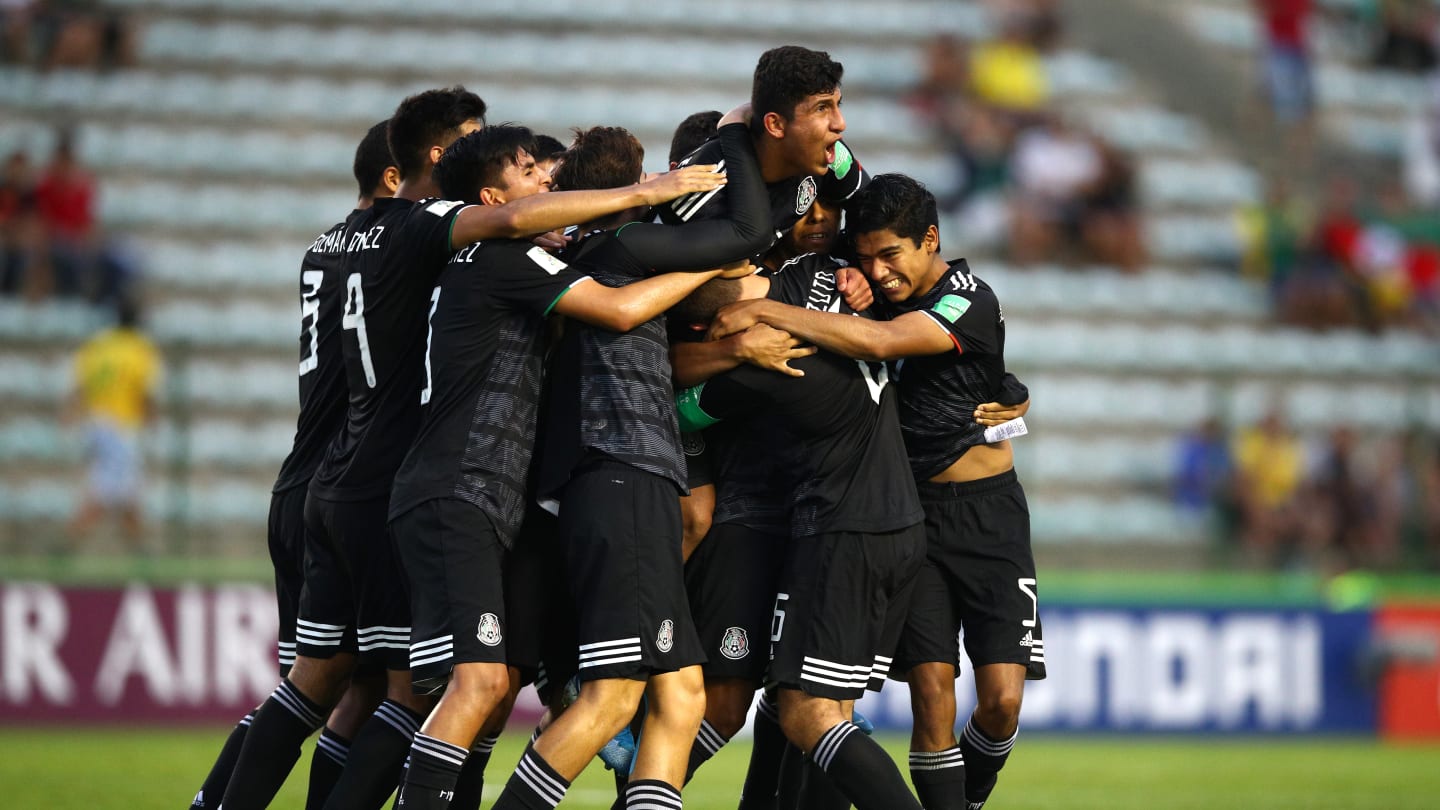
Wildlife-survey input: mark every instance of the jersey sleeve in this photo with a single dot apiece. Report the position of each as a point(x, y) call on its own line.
point(429, 231)
point(722, 397)
point(971, 319)
point(703, 244)
point(699, 205)
point(845, 178)
point(530, 278)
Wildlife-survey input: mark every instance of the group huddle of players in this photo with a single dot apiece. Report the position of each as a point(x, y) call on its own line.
point(490, 486)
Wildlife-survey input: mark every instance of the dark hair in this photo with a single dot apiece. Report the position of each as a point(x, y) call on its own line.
point(786, 76)
point(601, 157)
point(892, 202)
point(372, 158)
point(127, 312)
point(697, 128)
point(479, 160)
point(430, 119)
point(701, 305)
point(547, 148)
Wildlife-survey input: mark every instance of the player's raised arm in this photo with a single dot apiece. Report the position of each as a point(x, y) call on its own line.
point(744, 232)
point(541, 213)
point(621, 309)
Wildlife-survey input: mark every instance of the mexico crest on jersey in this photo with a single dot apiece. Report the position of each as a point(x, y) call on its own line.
point(665, 639)
point(694, 443)
point(805, 195)
point(489, 630)
point(736, 644)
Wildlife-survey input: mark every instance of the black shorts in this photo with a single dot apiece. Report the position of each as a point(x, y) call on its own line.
point(979, 576)
point(620, 527)
point(698, 465)
point(454, 563)
point(542, 623)
point(838, 594)
point(286, 538)
point(731, 581)
point(355, 596)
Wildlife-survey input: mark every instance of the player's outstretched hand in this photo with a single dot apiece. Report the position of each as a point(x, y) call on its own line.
point(688, 180)
point(736, 317)
point(739, 269)
point(855, 287)
point(767, 347)
point(993, 413)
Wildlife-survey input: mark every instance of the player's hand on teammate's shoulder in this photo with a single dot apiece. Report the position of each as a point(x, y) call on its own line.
point(994, 413)
point(767, 347)
point(740, 115)
point(660, 188)
point(551, 240)
point(855, 287)
point(736, 317)
point(739, 269)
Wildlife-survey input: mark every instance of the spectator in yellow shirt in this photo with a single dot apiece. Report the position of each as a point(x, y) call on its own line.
point(1269, 474)
point(116, 373)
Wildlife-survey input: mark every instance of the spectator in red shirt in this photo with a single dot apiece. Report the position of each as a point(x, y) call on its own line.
point(65, 200)
point(1288, 85)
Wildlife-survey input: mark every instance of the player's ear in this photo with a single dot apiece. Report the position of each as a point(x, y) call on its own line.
point(435, 153)
point(931, 242)
point(490, 195)
point(774, 124)
point(391, 179)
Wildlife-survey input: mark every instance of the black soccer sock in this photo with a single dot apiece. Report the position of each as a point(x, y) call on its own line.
point(939, 778)
point(708, 743)
point(984, 757)
point(762, 779)
point(534, 785)
point(377, 756)
point(471, 785)
point(652, 794)
point(819, 792)
point(271, 747)
point(213, 789)
point(326, 765)
point(862, 769)
point(431, 775)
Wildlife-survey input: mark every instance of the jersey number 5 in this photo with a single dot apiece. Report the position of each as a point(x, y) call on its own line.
point(354, 318)
point(310, 319)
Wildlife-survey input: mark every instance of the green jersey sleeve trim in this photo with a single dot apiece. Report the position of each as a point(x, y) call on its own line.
point(548, 309)
point(692, 416)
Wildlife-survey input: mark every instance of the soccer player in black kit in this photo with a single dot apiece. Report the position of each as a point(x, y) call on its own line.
point(396, 251)
point(459, 496)
point(612, 460)
point(980, 573)
point(856, 541)
point(322, 412)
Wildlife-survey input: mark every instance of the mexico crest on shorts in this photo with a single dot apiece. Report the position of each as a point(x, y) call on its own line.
point(694, 443)
point(805, 195)
point(489, 630)
point(665, 639)
point(736, 644)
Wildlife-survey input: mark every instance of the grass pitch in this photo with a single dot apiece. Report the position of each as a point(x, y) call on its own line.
point(150, 768)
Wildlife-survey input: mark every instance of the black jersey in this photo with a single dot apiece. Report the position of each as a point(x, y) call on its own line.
point(610, 393)
point(835, 428)
point(751, 489)
point(395, 253)
point(483, 376)
point(322, 371)
point(789, 198)
point(939, 392)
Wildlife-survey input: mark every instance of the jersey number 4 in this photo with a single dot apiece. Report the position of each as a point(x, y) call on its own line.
point(354, 318)
point(875, 382)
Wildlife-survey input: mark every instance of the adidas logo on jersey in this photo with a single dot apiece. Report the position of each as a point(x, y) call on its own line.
point(1027, 641)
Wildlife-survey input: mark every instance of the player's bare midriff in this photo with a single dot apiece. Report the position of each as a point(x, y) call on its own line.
point(980, 461)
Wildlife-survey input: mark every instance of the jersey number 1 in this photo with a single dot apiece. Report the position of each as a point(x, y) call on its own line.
point(354, 318)
point(429, 335)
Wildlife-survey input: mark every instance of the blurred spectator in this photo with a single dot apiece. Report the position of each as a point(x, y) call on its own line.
point(18, 225)
point(1204, 477)
point(1344, 502)
point(65, 201)
point(1037, 22)
point(83, 34)
point(1110, 224)
point(1429, 499)
point(1054, 167)
point(1289, 88)
point(1421, 151)
point(116, 375)
point(16, 19)
point(1407, 36)
point(1269, 471)
point(1008, 73)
